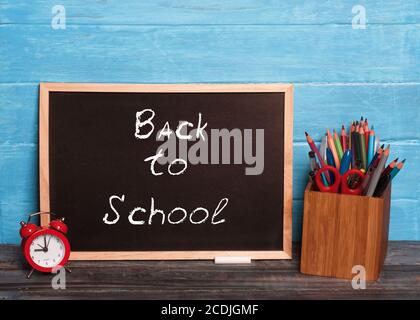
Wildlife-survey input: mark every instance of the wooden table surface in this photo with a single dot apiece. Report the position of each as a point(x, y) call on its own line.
point(400, 279)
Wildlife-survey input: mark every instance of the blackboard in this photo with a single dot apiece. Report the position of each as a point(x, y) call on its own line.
point(225, 188)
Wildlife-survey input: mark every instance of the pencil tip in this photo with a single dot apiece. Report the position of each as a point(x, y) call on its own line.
point(306, 134)
point(403, 161)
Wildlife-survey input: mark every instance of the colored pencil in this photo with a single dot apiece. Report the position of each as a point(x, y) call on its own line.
point(323, 148)
point(315, 149)
point(343, 139)
point(331, 145)
point(397, 169)
point(373, 165)
point(345, 162)
point(312, 180)
point(371, 146)
point(338, 146)
point(351, 130)
point(390, 166)
point(314, 166)
point(382, 184)
point(362, 148)
point(376, 142)
point(330, 158)
point(323, 152)
point(330, 161)
point(377, 154)
point(355, 144)
point(366, 130)
point(377, 157)
point(377, 174)
point(312, 161)
point(366, 180)
point(388, 147)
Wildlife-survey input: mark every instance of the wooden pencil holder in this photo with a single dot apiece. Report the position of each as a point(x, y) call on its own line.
point(341, 231)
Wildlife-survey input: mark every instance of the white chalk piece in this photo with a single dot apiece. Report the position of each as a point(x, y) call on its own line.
point(231, 260)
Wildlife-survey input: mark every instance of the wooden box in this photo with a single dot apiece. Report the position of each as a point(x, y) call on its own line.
point(341, 231)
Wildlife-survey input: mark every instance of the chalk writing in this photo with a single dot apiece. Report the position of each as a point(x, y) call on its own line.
point(139, 216)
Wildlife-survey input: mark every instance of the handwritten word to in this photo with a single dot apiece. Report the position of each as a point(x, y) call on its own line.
point(198, 153)
point(144, 120)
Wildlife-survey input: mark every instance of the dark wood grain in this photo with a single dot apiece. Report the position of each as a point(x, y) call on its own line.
point(400, 279)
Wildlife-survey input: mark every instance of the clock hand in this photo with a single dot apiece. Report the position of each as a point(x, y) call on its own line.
point(49, 239)
point(39, 250)
point(40, 246)
point(45, 242)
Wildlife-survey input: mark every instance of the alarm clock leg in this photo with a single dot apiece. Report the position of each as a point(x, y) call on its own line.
point(30, 273)
point(67, 269)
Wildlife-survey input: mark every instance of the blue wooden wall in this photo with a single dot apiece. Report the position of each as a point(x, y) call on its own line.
point(340, 73)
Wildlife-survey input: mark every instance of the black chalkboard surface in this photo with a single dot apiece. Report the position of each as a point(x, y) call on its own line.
point(220, 185)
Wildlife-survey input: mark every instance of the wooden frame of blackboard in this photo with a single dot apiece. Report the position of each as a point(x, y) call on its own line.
point(287, 89)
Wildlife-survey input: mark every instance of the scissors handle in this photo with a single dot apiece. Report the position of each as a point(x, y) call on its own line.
point(345, 189)
point(321, 186)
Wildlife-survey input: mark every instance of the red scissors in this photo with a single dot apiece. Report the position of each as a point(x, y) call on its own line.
point(340, 180)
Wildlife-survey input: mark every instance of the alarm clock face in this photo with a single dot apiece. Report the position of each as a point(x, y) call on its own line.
point(47, 250)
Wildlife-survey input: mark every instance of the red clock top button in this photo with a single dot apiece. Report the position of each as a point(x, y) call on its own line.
point(59, 225)
point(27, 229)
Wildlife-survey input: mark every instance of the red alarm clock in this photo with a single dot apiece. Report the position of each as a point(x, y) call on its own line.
point(45, 248)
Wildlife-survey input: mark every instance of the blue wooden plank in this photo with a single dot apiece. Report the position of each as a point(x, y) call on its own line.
point(297, 220)
point(210, 11)
point(11, 214)
point(393, 110)
point(18, 188)
point(405, 220)
point(18, 173)
point(389, 107)
point(19, 113)
point(331, 53)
